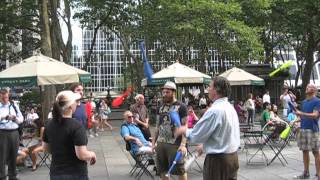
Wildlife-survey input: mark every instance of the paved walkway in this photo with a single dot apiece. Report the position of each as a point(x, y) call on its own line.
point(114, 162)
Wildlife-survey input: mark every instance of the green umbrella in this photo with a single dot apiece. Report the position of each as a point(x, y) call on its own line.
point(178, 73)
point(42, 70)
point(238, 76)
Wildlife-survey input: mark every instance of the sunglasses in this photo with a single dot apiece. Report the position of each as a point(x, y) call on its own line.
point(130, 116)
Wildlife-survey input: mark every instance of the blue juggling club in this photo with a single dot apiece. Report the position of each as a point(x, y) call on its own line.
point(175, 118)
point(176, 159)
point(146, 66)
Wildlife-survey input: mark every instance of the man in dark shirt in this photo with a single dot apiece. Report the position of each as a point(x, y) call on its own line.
point(167, 143)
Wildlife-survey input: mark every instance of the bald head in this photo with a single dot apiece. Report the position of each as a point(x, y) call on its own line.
point(139, 99)
point(311, 89)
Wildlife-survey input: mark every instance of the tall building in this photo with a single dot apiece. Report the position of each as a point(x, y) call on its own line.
point(109, 61)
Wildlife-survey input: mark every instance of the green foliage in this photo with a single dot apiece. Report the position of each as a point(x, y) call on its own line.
point(30, 99)
point(203, 25)
point(298, 21)
point(16, 19)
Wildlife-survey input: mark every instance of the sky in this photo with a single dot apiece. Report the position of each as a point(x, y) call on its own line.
point(76, 32)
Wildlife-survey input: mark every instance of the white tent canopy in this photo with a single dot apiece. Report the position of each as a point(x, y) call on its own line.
point(178, 73)
point(238, 76)
point(42, 70)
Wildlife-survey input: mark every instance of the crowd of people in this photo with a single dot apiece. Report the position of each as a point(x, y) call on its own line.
point(214, 128)
point(249, 110)
point(25, 135)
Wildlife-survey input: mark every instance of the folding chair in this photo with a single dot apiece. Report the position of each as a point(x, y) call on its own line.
point(278, 146)
point(142, 162)
point(266, 138)
point(190, 153)
point(45, 159)
point(254, 139)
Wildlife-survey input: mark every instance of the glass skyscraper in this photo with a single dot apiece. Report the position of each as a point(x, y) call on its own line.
point(108, 59)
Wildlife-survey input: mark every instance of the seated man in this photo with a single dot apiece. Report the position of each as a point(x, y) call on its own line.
point(131, 133)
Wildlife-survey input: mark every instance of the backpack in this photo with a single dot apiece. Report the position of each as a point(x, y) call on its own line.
point(20, 126)
point(14, 106)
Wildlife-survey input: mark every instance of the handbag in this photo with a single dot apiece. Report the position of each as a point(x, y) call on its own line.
point(107, 111)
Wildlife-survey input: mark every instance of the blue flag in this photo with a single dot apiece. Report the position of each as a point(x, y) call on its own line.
point(146, 66)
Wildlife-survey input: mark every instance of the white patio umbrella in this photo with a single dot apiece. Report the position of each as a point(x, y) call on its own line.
point(42, 70)
point(178, 73)
point(238, 76)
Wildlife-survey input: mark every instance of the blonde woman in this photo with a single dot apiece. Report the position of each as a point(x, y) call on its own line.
point(65, 138)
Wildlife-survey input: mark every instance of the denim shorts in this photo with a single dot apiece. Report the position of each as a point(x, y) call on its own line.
point(69, 177)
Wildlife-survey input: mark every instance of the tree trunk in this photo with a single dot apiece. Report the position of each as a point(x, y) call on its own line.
point(45, 28)
point(309, 63)
point(48, 92)
point(56, 35)
point(67, 50)
point(28, 42)
point(136, 75)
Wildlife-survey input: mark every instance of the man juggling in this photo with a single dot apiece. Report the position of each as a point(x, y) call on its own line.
point(218, 130)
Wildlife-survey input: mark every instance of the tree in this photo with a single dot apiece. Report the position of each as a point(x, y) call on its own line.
point(17, 19)
point(120, 18)
point(178, 25)
point(204, 25)
point(52, 44)
point(299, 21)
point(258, 14)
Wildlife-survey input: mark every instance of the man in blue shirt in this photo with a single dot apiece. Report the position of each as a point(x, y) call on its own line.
point(10, 118)
point(131, 133)
point(308, 138)
point(80, 114)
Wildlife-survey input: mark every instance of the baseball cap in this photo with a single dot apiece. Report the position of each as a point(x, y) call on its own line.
point(170, 85)
point(68, 97)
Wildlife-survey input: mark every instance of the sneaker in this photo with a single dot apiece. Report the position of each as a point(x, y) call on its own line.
point(92, 136)
point(101, 129)
point(96, 135)
point(303, 176)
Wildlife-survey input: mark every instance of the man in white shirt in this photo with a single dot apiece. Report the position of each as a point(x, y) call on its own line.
point(10, 118)
point(286, 98)
point(218, 130)
point(203, 102)
point(266, 97)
